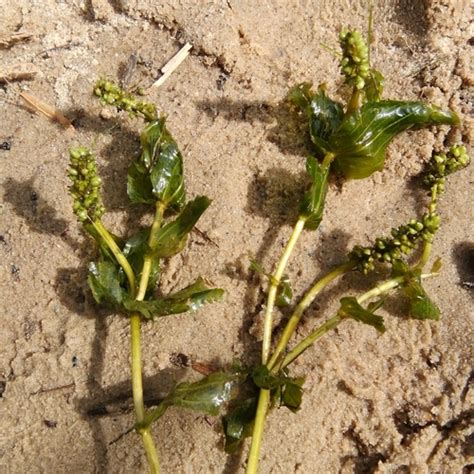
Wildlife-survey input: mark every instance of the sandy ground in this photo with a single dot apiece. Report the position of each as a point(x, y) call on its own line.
point(389, 404)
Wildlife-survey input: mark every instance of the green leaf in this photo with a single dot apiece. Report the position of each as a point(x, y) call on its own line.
point(284, 292)
point(190, 298)
point(292, 393)
point(360, 142)
point(205, 396)
point(238, 423)
point(135, 250)
point(437, 265)
point(324, 114)
point(351, 308)
point(105, 283)
point(421, 306)
point(139, 188)
point(374, 86)
point(312, 205)
point(162, 159)
point(263, 378)
point(171, 238)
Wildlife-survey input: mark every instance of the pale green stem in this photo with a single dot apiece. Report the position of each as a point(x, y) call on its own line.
point(135, 326)
point(379, 290)
point(119, 256)
point(425, 256)
point(257, 435)
point(307, 299)
point(148, 260)
point(273, 288)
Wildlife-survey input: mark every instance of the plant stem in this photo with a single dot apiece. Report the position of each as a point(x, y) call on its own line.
point(307, 299)
point(257, 435)
point(425, 256)
point(119, 256)
point(333, 322)
point(148, 260)
point(135, 334)
point(273, 288)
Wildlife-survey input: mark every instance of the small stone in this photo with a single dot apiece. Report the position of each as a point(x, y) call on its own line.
point(106, 114)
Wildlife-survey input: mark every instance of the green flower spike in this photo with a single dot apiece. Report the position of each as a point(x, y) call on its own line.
point(111, 94)
point(355, 58)
point(403, 241)
point(85, 185)
point(443, 164)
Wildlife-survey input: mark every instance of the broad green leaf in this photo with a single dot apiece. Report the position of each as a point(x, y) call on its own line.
point(171, 238)
point(238, 423)
point(135, 249)
point(190, 298)
point(292, 393)
point(351, 308)
point(421, 306)
point(360, 142)
point(139, 188)
point(312, 205)
point(162, 159)
point(205, 396)
point(105, 283)
point(324, 114)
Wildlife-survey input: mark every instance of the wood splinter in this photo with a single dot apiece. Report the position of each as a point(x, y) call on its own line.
point(172, 64)
point(47, 110)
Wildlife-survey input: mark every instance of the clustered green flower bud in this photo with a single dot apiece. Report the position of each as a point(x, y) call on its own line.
point(85, 185)
point(355, 58)
point(112, 94)
point(404, 239)
point(443, 164)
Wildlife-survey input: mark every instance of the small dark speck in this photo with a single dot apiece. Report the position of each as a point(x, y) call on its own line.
point(5, 145)
point(3, 240)
point(75, 361)
point(14, 270)
point(34, 196)
point(179, 359)
point(471, 41)
point(3, 386)
point(50, 423)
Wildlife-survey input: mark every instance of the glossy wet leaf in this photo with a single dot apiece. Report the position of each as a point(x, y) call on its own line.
point(163, 161)
point(360, 143)
point(238, 423)
point(325, 115)
point(171, 238)
point(351, 308)
point(190, 298)
point(312, 205)
point(104, 281)
point(139, 188)
point(205, 396)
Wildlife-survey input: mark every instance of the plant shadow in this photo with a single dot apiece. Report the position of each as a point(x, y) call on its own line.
point(463, 254)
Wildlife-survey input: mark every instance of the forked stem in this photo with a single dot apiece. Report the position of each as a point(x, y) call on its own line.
point(273, 288)
point(305, 302)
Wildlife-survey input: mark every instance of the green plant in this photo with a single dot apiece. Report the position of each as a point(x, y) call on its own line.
point(350, 140)
point(127, 273)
